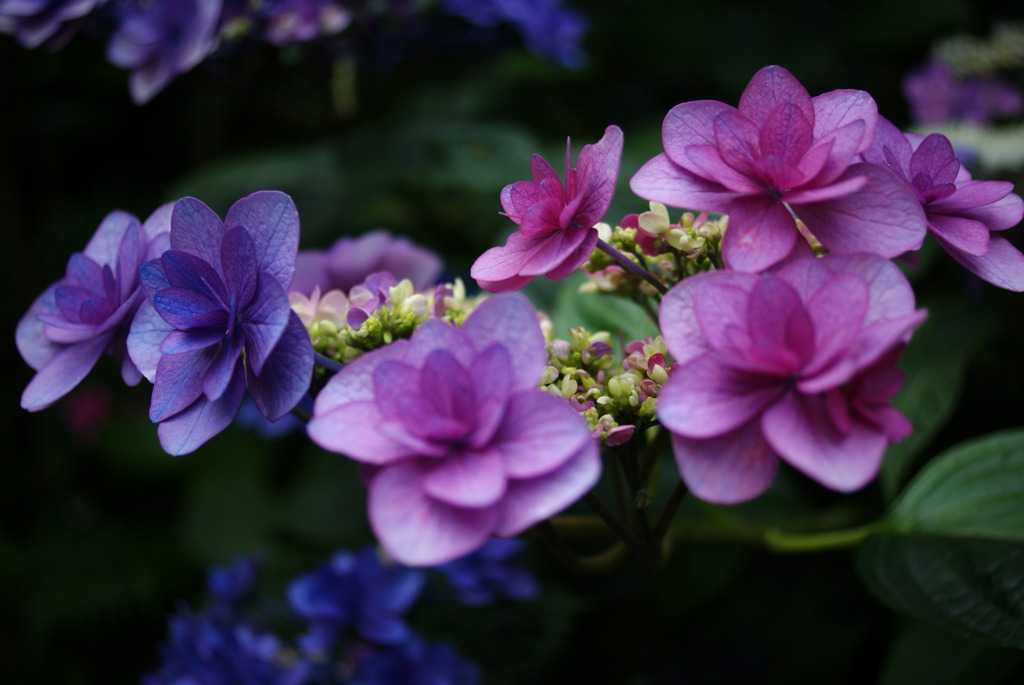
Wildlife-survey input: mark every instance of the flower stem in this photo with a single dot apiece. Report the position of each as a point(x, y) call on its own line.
point(785, 541)
point(631, 266)
point(327, 362)
point(595, 563)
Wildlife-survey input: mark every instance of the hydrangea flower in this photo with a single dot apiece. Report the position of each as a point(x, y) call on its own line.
point(556, 221)
point(491, 572)
point(88, 312)
point(294, 21)
point(782, 151)
point(232, 586)
point(34, 22)
point(355, 591)
point(159, 39)
point(936, 96)
point(797, 365)
point(350, 261)
point(218, 292)
point(960, 211)
point(464, 444)
point(203, 650)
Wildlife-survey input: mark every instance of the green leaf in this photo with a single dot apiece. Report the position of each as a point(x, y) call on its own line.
point(598, 312)
point(935, 362)
point(922, 653)
point(952, 549)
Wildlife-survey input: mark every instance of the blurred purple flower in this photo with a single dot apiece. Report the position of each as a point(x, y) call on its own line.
point(780, 152)
point(295, 21)
point(936, 96)
point(549, 29)
point(233, 585)
point(465, 444)
point(798, 365)
point(88, 312)
point(960, 211)
point(416, 662)
point(355, 591)
point(219, 290)
point(34, 22)
point(350, 261)
point(556, 221)
point(201, 650)
point(491, 572)
point(159, 39)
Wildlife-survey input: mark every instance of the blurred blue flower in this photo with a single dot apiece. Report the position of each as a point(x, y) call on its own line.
point(549, 30)
point(355, 591)
point(417, 663)
point(232, 585)
point(491, 572)
point(34, 22)
point(203, 651)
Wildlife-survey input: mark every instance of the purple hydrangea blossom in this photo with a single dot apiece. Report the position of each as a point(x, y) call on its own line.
point(416, 662)
point(356, 592)
point(464, 443)
point(159, 39)
point(556, 221)
point(295, 21)
point(797, 364)
point(936, 96)
point(34, 22)
point(350, 261)
point(218, 292)
point(960, 211)
point(201, 650)
point(783, 151)
point(491, 572)
point(232, 586)
point(88, 312)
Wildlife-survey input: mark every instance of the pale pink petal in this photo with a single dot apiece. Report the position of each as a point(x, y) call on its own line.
point(352, 429)
point(471, 480)
point(417, 530)
point(732, 468)
point(539, 434)
point(355, 380)
point(510, 321)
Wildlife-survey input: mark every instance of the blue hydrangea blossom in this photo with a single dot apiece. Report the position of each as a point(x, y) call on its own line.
point(218, 320)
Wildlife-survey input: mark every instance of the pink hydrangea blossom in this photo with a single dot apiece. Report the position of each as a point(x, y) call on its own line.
point(796, 364)
point(960, 211)
point(782, 154)
point(463, 443)
point(556, 221)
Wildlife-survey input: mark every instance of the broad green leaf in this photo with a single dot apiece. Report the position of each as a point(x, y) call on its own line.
point(935, 362)
point(598, 312)
point(923, 653)
point(952, 549)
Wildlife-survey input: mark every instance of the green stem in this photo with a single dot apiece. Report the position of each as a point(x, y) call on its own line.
point(786, 541)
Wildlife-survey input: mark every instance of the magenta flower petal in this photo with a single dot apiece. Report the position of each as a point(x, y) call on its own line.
point(959, 234)
point(663, 181)
point(690, 124)
point(685, 335)
point(704, 399)
point(342, 429)
point(799, 429)
point(732, 468)
point(62, 372)
point(835, 110)
point(1002, 265)
point(770, 87)
point(761, 233)
point(555, 219)
point(529, 501)
point(473, 481)
point(882, 218)
point(536, 437)
point(187, 430)
point(418, 530)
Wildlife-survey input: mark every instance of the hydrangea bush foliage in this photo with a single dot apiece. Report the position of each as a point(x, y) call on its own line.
point(777, 315)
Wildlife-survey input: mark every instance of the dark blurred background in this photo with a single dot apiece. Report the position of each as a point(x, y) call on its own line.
point(101, 532)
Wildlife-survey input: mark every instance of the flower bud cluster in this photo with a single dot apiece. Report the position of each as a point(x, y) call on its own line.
point(615, 402)
point(670, 251)
point(344, 326)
